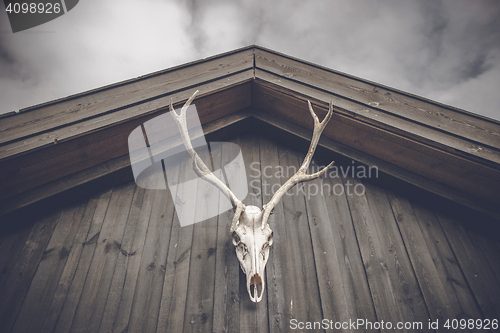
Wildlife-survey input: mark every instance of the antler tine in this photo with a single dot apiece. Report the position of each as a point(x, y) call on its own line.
point(300, 175)
point(199, 166)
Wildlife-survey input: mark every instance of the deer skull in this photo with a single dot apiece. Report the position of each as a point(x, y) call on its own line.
point(251, 234)
point(252, 245)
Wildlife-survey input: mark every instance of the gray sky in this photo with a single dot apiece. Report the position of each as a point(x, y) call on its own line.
point(448, 51)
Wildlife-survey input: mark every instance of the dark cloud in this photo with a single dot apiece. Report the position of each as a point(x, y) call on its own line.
point(444, 50)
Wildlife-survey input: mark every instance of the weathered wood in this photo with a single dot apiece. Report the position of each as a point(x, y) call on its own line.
point(70, 285)
point(380, 99)
point(276, 274)
point(200, 296)
point(302, 298)
point(391, 176)
point(73, 110)
point(20, 177)
point(127, 266)
point(466, 175)
point(344, 237)
point(390, 282)
point(385, 256)
point(404, 281)
point(141, 213)
point(10, 249)
point(148, 289)
point(479, 276)
point(226, 316)
point(253, 316)
point(205, 102)
point(440, 305)
point(337, 300)
point(451, 275)
point(174, 293)
point(45, 281)
point(112, 253)
point(485, 247)
point(103, 261)
point(111, 172)
point(17, 284)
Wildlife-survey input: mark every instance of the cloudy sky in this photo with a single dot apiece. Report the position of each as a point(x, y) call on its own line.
point(447, 51)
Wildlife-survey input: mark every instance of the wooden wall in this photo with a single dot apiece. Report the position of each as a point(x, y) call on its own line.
point(119, 261)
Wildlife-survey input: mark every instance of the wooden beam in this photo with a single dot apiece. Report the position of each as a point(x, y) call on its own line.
point(477, 177)
point(376, 100)
point(82, 150)
point(147, 89)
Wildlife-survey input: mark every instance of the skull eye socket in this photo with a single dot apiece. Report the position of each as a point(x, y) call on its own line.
point(236, 239)
point(270, 239)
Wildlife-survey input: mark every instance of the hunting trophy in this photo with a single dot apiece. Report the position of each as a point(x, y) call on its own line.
point(251, 235)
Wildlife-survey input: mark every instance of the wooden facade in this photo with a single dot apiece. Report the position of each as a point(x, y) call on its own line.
point(85, 249)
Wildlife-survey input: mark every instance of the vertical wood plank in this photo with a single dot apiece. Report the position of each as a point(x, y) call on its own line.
point(480, 278)
point(486, 248)
point(140, 212)
point(302, 298)
point(136, 226)
point(253, 316)
point(275, 270)
point(200, 296)
point(226, 316)
point(451, 275)
point(11, 249)
point(405, 285)
point(337, 300)
point(64, 283)
point(65, 318)
point(174, 292)
point(112, 255)
point(440, 304)
point(350, 260)
point(45, 281)
point(150, 281)
point(392, 282)
point(96, 285)
point(17, 284)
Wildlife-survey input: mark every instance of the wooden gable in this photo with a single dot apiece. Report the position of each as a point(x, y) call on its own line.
point(83, 248)
point(51, 148)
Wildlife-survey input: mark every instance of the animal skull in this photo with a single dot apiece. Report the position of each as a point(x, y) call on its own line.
point(251, 234)
point(252, 245)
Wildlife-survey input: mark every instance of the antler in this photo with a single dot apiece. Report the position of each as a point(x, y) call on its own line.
point(301, 175)
point(199, 166)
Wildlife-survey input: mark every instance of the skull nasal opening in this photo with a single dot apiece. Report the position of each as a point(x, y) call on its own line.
point(255, 288)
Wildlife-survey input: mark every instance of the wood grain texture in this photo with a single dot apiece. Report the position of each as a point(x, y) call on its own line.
point(440, 305)
point(48, 274)
point(479, 275)
point(152, 271)
point(131, 267)
point(380, 99)
point(98, 278)
point(61, 316)
point(16, 285)
point(450, 273)
point(226, 316)
point(465, 175)
point(174, 293)
point(200, 296)
point(30, 172)
point(75, 110)
point(302, 298)
point(253, 316)
point(393, 286)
